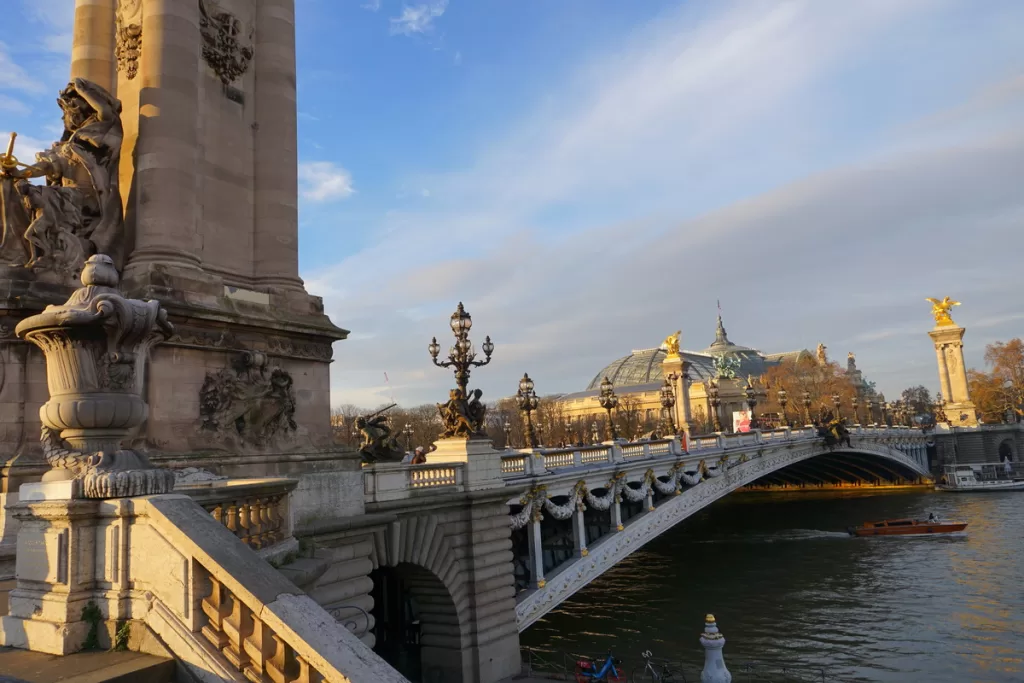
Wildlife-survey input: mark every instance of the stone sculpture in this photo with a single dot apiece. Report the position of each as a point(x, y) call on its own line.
point(96, 347)
point(379, 443)
point(941, 309)
point(55, 227)
point(224, 49)
point(725, 367)
point(252, 401)
point(851, 362)
point(822, 354)
point(128, 37)
point(462, 417)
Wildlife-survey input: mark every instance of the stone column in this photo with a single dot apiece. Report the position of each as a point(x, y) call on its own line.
point(92, 49)
point(166, 206)
point(579, 534)
point(276, 211)
point(949, 351)
point(675, 365)
point(536, 555)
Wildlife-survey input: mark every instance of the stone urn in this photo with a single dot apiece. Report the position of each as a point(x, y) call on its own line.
point(96, 347)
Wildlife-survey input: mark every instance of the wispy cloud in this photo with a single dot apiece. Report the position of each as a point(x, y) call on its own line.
point(12, 105)
point(372, 5)
point(58, 17)
point(14, 77)
point(322, 181)
point(418, 18)
point(691, 162)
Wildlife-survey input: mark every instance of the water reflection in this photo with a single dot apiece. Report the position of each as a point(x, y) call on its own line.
point(789, 587)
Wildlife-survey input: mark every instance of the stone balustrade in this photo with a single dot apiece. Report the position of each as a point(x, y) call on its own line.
point(385, 482)
point(257, 511)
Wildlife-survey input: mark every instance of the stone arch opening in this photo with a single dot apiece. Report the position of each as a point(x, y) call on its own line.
point(417, 627)
point(1006, 451)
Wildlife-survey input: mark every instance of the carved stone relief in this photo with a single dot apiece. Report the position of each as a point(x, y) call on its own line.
point(227, 49)
point(252, 402)
point(128, 45)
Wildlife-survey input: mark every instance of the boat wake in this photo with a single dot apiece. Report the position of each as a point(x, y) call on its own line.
point(788, 535)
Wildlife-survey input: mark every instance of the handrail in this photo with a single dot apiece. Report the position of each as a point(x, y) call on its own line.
point(258, 622)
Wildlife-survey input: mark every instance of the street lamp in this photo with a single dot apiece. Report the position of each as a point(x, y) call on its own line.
point(526, 399)
point(748, 392)
point(408, 431)
point(837, 402)
point(856, 404)
point(595, 435)
point(507, 428)
point(869, 408)
point(540, 432)
point(461, 355)
point(712, 392)
point(807, 407)
point(668, 402)
point(569, 435)
point(783, 399)
point(609, 401)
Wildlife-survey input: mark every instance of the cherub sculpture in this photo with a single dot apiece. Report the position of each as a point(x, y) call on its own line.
point(941, 308)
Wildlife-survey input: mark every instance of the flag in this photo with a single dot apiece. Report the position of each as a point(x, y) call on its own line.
point(386, 380)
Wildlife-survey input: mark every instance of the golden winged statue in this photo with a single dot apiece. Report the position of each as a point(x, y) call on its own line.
point(671, 344)
point(941, 308)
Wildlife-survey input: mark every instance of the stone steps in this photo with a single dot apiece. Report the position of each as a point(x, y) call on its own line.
point(21, 666)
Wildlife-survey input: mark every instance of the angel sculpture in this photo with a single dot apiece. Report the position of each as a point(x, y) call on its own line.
point(941, 308)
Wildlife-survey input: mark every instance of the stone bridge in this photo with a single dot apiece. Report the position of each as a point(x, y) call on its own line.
point(489, 544)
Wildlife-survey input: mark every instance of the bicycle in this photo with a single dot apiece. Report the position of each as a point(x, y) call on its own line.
point(587, 671)
point(649, 673)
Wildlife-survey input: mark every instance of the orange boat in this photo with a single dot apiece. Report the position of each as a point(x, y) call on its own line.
point(907, 527)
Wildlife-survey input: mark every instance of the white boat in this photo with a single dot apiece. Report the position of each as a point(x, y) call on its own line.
point(975, 478)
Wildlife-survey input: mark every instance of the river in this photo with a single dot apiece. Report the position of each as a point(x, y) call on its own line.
point(790, 588)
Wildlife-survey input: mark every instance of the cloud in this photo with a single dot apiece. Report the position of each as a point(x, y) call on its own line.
point(372, 5)
point(417, 18)
point(25, 146)
point(12, 105)
point(457, 59)
point(322, 181)
point(14, 77)
point(58, 17)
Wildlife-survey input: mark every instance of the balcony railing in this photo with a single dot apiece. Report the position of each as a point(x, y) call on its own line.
point(384, 482)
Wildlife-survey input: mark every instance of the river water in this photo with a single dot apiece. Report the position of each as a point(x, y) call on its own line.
point(790, 588)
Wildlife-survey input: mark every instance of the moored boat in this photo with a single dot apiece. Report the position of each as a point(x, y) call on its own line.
point(979, 478)
point(907, 527)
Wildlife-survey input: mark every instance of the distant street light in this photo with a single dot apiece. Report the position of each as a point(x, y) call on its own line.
point(609, 401)
point(783, 399)
point(526, 399)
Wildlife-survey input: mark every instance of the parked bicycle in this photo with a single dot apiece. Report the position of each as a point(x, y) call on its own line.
point(587, 671)
point(654, 671)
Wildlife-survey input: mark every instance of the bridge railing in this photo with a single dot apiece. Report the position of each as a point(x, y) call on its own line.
point(257, 511)
point(384, 482)
point(532, 463)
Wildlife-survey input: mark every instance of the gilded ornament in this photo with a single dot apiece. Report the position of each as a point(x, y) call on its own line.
point(941, 309)
point(671, 344)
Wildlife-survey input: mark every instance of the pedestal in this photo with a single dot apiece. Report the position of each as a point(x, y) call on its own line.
point(949, 352)
point(483, 463)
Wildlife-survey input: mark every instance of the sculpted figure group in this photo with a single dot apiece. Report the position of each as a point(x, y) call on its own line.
point(462, 416)
point(55, 227)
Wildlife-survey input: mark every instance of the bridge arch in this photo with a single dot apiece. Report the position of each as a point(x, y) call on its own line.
point(864, 458)
point(1007, 450)
point(421, 593)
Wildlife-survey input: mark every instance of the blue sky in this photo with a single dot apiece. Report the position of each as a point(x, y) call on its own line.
point(589, 176)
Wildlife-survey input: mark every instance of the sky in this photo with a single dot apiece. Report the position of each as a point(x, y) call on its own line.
point(588, 176)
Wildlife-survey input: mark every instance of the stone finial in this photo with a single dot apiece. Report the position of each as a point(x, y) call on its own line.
point(713, 642)
point(96, 347)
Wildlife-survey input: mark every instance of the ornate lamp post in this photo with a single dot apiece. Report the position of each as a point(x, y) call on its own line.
point(461, 355)
point(940, 413)
point(748, 392)
point(856, 404)
point(507, 428)
point(883, 409)
point(595, 435)
point(540, 432)
point(712, 392)
point(408, 431)
point(837, 402)
point(806, 398)
point(568, 431)
point(609, 401)
point(668, 402)
point(869, 409)
point(783, 400)
point(526, 399)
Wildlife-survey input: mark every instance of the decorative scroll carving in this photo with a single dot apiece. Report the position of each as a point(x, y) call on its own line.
point(96, 346)
point(54, 227)
point(253, 401)
point(463, 417)
point(128, 37)
point(224, 48)
point(226, 339)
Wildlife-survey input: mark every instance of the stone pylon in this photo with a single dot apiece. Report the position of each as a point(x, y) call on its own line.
point(674, 367)
point(949, 351)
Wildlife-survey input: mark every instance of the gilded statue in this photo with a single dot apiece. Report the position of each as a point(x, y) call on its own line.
point(462, 416)
point(671, 344)
point(822, 354)
point(77, 213)
point(941, 308)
